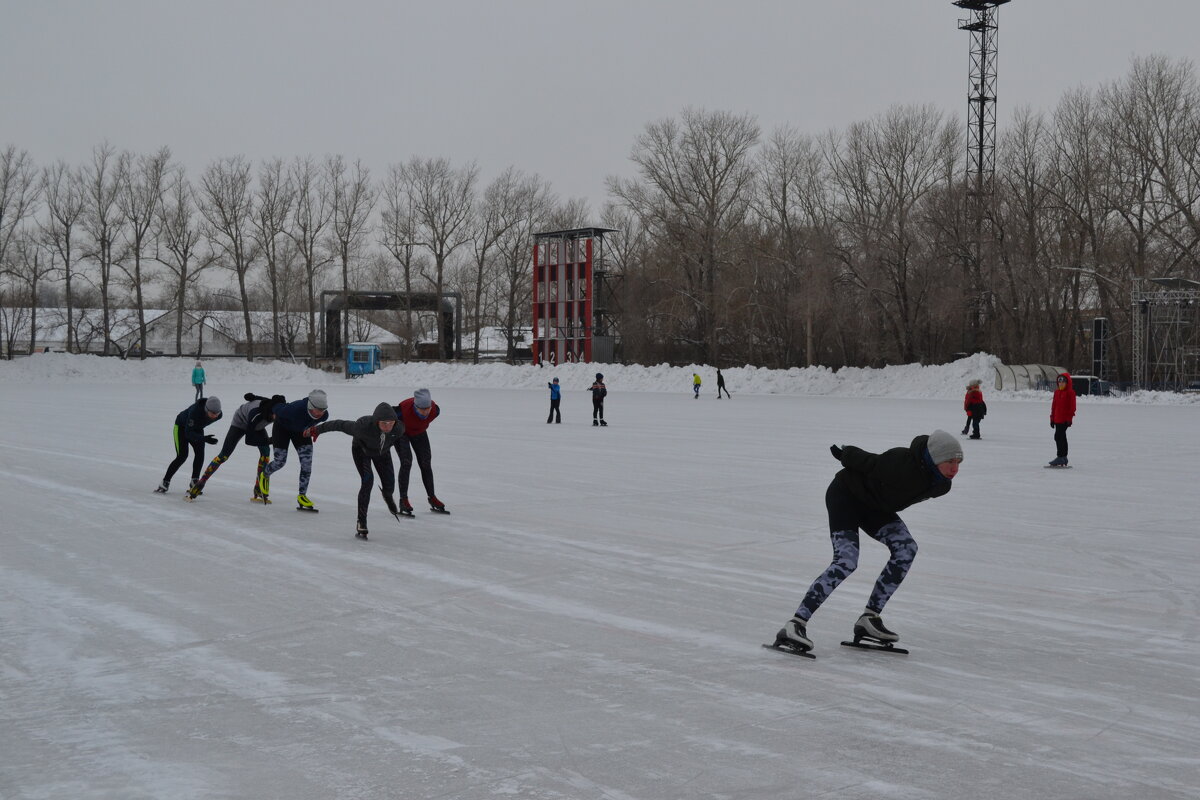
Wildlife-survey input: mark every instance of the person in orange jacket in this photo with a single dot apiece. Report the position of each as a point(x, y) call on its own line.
point(1062, 413)
point(975, 407)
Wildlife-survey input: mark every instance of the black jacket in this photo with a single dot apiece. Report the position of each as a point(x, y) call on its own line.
point(365, 430)
point(894, 479)
point(193, 420)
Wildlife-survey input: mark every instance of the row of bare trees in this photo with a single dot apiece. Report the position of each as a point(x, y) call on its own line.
point(855, 246)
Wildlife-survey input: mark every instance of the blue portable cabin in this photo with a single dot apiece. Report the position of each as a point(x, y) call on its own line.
point(363, 358)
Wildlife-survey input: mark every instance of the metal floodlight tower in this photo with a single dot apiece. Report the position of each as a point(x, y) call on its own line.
point(981, 145)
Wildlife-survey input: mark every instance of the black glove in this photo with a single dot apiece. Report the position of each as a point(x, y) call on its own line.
point(210, 439)
point(837, 451)
point(251, 396)
point(1051, 423)
point(1068, 424)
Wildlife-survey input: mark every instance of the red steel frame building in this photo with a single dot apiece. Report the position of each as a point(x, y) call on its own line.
point(565, 269)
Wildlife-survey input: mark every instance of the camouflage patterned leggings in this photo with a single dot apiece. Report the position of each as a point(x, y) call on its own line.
point(304, 451)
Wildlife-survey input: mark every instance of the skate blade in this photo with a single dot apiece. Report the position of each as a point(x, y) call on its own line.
point(883, 647)
point(439, 511)
point(790, 651)
point(310, 510)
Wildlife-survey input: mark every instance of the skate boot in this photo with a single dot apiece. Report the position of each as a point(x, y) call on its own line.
point(406, 509)
point(304, 504)
point(1061, 461)
point(163, 487)
point(437, 505)
point(595, 423)
point(603, 424)
point(360, 530)
point(194, 491)
point(264, 486)
point(792, 636)
point(870, 626)
point(965, 430)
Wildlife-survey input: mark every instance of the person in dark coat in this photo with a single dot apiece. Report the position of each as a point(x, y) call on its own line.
point(416, 414)
point(555, 399)
point(292, 421)
point(721, 385)
point(372, 439)
point(975, 407)
point(866, 494)
point(1062, 414)
point(189, 432)
point(251, 421)
point(599, 392)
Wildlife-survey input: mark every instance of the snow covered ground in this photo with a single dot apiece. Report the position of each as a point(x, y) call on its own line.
point(587, 623)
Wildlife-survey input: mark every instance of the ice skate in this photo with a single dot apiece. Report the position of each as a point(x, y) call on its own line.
point(595, 423)
point(264, 486)
point(304, 504)
point(871, 634)
point(792, 638)
point(405, 508)
point(1061, 461)
point(360, 530)
point(603, 424)
point(437, 505)
point(162, 488)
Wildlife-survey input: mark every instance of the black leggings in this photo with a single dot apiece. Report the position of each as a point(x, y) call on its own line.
point(181, 452)
point(1060, 437)
point(598, 408)
point(405, 447)
point(387, 478)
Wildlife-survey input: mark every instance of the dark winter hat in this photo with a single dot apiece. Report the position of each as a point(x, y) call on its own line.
point(599, 376)
point(556, 380)
point(422, 398)
point(384, 413)
point(213, 405)
point(943, 447)
point(318, 400)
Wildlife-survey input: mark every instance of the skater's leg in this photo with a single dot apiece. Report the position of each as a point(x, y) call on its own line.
point(845, 561)
point(197, 461)
point(387, 478)
point(1060, 438)
point(975, 426)
point(181, 452)
point(424, 456)
point(281, 442)
point(404, 450)
point(367, 477)
point(305, 453)
point(903, 549)
point(227, 447)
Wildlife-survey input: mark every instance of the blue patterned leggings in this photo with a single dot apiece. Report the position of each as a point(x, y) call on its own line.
point(845, 518)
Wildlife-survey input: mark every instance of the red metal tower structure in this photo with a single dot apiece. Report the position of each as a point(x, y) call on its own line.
point(570, 314)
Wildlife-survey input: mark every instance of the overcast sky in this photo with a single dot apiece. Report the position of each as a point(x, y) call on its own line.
point(556, 87)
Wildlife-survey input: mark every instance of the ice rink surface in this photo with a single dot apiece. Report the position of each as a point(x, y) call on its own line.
point(587, 622)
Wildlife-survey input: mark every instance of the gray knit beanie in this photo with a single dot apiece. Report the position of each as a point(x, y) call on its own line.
point(318, 399)
point(213, 405)
point(943, 447)
point(422, 398)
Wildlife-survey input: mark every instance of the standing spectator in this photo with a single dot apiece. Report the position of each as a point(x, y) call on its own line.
point(189, 432)
point(599, 392)
point(696, 385)
point(293, 424)
point(721, 385)
point(1062, 413)
point(371, 444)
point(251, 420)
point(198, 380)
point(415, 414)
point(975, 407)
point(866, 493)
point(555, 399)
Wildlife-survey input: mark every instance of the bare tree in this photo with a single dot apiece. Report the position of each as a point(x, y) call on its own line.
point(353, 199)
point(102, 223)
point(499, 210)
point(310, 218)
point(693, 189)
point(29, 264)
point(272, 210)
point(139, 201)
point(398, 235)
point(179, 237)
point(227, 204)
point(532, 208)
point(442, 200)
point(63, 191)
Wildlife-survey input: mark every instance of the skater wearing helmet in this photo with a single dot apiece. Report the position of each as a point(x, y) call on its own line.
point(415, 414)
point(975, 407)
point(1062, 413)
point(373, 438)
point(599, 392)
point(293, 428)
point(866, 494)
point(189, 432)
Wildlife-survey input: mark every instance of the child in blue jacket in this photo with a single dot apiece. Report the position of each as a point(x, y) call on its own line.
point(555, 399)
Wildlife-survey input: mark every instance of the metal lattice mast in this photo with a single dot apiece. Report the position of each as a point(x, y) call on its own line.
point(981, 151)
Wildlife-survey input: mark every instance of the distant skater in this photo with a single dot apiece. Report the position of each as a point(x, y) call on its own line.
point(696, 385)
point(189, 432)
point(1062, 414)
point(599, 392)
point(372, 438)
point(721, 385)
point(866, 494)
point(198, 379)
point(975, 407)
point(555, 399)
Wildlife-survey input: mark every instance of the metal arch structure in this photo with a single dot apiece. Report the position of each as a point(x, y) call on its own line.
point(334, 302)
point(1166, 333)
point(981, 150)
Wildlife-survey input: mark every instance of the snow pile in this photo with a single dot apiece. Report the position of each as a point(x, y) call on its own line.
point(912, 381)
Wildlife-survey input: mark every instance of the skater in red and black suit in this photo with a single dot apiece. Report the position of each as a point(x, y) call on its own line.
point(1062, 413)
point(866, 494)
point(416, 413)
point(975, 407)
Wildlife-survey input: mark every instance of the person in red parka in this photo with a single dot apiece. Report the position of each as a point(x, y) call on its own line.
point(416, 413)
point(1062, 412)
point(974, 406)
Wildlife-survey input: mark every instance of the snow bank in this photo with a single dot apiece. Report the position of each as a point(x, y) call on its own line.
point(914, 381)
